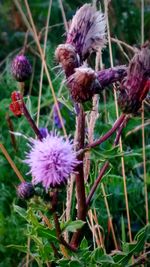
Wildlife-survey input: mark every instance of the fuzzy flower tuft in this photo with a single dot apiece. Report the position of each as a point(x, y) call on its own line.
point(51, 160)
point(87, 32)
point(21, 68)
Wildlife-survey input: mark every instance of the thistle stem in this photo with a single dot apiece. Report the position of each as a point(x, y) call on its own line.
point(31, 121)
point(80, 187)
point(106, 164)
point(97, 181)
point(116, 125)
point(57, 224)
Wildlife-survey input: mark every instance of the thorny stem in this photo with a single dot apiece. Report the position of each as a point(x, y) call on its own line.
point(57, 224)
point(97, 181)
point(31, 121)
point(80, 188)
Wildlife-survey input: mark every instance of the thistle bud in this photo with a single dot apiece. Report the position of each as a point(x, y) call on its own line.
point(21, 68)
point(25, 190)
point(82, 84)
point(85, 82)
point(135, 86)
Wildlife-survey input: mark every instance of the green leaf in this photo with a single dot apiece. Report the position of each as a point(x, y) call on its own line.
point(141, 238)
point(18, 247)
point(20, 211)
point(47, 233)
point(63, 263)
point(72, 226)
point(31, 217)
point(75, 263)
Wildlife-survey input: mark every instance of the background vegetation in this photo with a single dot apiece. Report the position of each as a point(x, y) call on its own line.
point(125, 24)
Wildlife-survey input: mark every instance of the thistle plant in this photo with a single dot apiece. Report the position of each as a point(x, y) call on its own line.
point(52, 159)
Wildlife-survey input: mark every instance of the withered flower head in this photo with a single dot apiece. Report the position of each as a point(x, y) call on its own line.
point(66, 55)
point(87, 32)
point(82, 84)
point(135, 86)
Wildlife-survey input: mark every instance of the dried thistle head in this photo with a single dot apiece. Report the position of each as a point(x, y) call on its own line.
point(87, 32)
point(135, 86)
point(66, 55)
point(83, 84)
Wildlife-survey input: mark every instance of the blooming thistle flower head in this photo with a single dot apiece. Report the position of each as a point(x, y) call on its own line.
point(21, 68)
point(25, 190)
point(66, 55)
point(82, 84)
point(87, 32)
point(135, 86)
point(51, 160)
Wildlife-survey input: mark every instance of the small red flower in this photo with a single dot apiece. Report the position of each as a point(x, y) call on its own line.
point(17, 104)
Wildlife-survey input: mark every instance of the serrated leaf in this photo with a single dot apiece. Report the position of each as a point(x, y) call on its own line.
point(72, 226)
point(47, 233)
point(20, 211)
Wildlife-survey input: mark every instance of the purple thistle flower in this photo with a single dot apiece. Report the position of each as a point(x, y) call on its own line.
point(21, 68)
point(25, 190)
point(51, 160)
